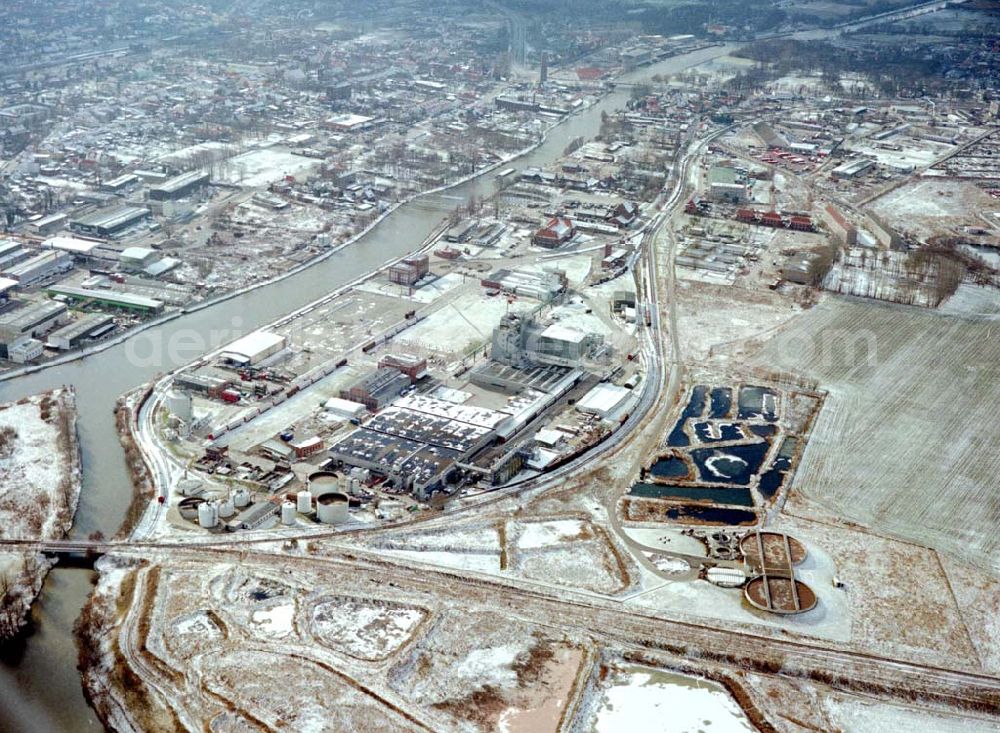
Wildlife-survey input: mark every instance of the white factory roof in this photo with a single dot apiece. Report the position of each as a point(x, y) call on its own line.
point(347, 408)
point(604, 399)
point(6, 284)
point(349, 120)
point(548, 437)
point(559, 332)
point(252, 345)
point(479, 416)
point(70, 244)
point(136, 253)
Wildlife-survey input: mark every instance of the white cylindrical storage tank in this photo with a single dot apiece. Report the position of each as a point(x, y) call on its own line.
point(226, 509)
point(304, 501)
point(179, 404)
point(354, 486)
point(241, 498)
point(332, 507)
point(208, 515)
point(288, 512)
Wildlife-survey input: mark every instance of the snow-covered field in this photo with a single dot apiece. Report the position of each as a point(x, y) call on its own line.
point(929, 206)
point(261, 167)
point(862, 716)
point(646, 700)
point(905, 442)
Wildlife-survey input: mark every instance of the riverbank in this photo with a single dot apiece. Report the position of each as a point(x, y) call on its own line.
point(40, 481)
point(143, 483)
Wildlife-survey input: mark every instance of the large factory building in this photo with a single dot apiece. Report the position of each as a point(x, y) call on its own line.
point(109, 222)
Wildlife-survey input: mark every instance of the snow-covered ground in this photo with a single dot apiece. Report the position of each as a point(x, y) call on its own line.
point(862, 716)
point(646, 700)
point(40, 478)
point(261, 167)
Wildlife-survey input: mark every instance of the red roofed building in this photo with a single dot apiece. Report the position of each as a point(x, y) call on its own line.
point(589, 73)
point(800, 224)
point(556, 233)
point(746, 215)
point(771, 219)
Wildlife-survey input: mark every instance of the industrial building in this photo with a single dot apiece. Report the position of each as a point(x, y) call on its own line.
point(412, 366)
point(41, 267)
point(543, 286)
point(254, 348)
point(136, 259)
point(376, 389)
point(28, 322)
point(417, 441)
point(555, 233)
point(11, 253)
point(109, 222)
point(121, 184)
point(853, 169)
point(25, 350)
point(88, 327)
point(727, 184)
point(841, 229)
point(108, 298)
point(179, 186)
point(607, 401)
point(409, 270)
point(81, 249)
point(519, 341)
point(49, 224)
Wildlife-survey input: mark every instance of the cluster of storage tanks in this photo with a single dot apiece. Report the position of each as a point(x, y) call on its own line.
point(210, 512)
point(324, 494)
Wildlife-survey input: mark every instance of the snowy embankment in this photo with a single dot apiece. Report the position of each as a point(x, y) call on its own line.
point(39, 489)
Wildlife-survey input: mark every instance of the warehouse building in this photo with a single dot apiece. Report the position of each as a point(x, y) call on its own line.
point(107, 298)
point(376, 389)
point(544, 285)
point(81, 250)
point(89, 327)
point(853, 169)
point(49, 224)
point(40, 267)
point(727, 184)
point(121, 184)
point(607, 401)
point(28, 322)
point(109, 222)
point(6, 286)
point(137, 259)
point(12, 253)
point(254, 348)
point(179, 186)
